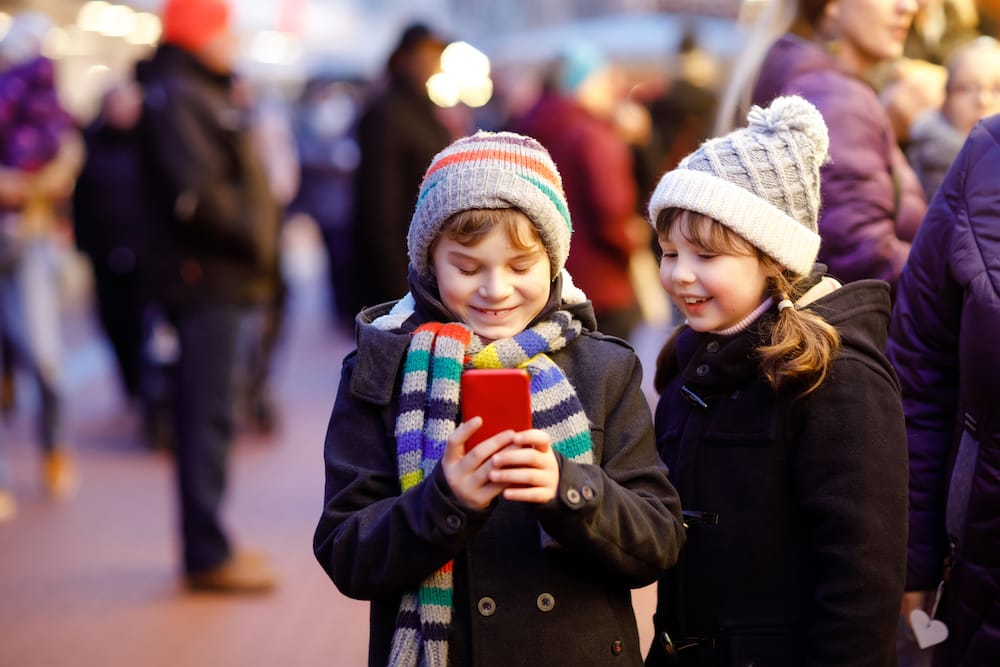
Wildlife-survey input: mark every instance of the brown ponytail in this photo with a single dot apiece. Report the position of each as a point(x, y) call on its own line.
point(803, 344)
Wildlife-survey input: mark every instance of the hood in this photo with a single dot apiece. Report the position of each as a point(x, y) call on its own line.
point(859, 311)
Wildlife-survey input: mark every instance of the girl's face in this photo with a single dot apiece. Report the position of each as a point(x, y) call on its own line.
point(973, 89)
point(495, 286)
point(869, 32)
point(714, 288)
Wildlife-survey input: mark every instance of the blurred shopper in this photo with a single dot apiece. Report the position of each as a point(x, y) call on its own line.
point(872, 201)
point(940, 27)
point(942, 341)
point(399, 134)
point(574, 121)
point(216, 249)
point(111, 226)
point(972, 92)
point(325, 125)
point(40, 154)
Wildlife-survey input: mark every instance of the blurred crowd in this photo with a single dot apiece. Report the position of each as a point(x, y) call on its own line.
point(177, 191)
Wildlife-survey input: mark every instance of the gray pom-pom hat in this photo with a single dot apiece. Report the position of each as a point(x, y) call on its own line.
point(761, 181)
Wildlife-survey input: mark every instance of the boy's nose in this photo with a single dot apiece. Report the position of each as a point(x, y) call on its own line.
point(494, 286)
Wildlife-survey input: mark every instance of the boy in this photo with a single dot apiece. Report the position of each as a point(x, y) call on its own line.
point(483, 558)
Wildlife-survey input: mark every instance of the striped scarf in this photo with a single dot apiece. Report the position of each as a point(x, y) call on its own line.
point(428, 413)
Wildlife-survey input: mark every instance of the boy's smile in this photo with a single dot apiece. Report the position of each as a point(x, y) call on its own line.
point(494, 286)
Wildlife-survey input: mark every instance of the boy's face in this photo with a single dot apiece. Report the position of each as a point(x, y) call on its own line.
point(494, 286)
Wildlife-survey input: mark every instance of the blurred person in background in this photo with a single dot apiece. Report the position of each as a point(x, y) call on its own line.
point(574, 120)
point(824, 49)
point(40, 154)
point(942, 342)
point(110, 225)
point(215, 234)
point(325, 128)
point(399, 133)
point(972, 92)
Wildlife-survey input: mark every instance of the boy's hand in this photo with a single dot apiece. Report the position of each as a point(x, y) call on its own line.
point(468, 473)
point(528, 471)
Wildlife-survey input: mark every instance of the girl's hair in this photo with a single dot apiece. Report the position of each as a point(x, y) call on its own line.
point(472, 225)
point(802, 17)
point(802, 344)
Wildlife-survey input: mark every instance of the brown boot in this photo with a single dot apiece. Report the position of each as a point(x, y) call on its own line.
point(243, 572)
point(60, 475)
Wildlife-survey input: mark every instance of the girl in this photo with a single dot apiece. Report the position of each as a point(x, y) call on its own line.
point(779, 417)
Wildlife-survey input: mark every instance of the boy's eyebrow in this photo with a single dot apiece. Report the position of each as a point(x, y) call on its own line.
point(455, 252)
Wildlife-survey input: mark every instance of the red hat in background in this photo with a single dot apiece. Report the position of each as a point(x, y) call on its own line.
point(191, 23)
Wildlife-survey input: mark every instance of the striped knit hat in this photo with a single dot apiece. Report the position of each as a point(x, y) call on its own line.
point(761, 181)
point(488, 171)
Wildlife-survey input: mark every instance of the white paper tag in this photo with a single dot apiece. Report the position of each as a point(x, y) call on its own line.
point(928, 632)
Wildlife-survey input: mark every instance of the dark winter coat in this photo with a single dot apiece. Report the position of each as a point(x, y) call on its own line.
point(216, 225)
point(399, 135)
point(943, 341)
point(796, 509)
point(110, 215)
point(616, 523)
point(872, 200)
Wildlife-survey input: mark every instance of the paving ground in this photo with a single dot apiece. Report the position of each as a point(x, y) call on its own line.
point(93, 582)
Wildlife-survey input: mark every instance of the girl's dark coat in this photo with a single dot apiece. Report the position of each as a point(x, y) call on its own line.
point(796, 508)
point(559, 597)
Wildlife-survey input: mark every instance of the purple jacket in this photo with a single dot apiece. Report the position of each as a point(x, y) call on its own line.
point(872, 202)
point(943, 342)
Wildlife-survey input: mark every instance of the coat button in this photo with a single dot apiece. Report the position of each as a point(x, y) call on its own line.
point(573, 497)
point(545, 602)
point(588, 493)
point(702, 370)
point(453, 523)
point(617, 648)
point(713, 346)
point(487, 606)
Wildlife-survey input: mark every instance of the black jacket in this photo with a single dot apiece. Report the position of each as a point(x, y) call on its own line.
point(216, 226)
point(796, 509)
point(615, 523)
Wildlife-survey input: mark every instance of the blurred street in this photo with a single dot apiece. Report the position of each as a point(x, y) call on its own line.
point(94, 581)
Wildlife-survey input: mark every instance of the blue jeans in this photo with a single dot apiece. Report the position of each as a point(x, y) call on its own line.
point(203, 422)
point(30, 317)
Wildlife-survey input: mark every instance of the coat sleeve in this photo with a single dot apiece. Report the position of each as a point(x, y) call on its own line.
point(850, 479)
point(923, 346)
point(372, 539)
point(623, 511)
point(871, 200)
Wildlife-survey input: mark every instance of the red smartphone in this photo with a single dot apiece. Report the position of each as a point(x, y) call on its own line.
point(501, 396)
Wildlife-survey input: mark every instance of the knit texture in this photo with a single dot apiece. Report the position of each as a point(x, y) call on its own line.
point(761, 181)
point(428, 413)
point(490, 171)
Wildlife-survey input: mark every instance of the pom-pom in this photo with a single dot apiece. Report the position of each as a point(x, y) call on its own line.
point(791, 114)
